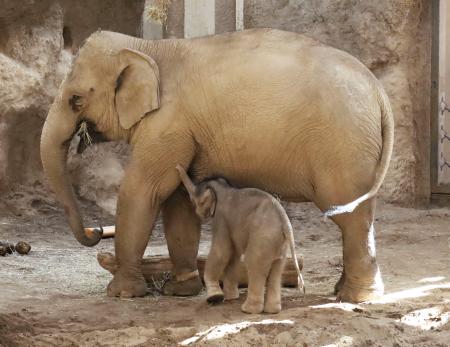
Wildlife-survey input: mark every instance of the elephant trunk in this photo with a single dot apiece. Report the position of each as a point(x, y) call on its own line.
point(58, 130)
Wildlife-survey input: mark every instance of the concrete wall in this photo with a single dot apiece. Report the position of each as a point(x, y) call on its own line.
point(393, 39)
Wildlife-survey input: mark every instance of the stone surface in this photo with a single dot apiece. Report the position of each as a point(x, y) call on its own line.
point(98, 172)
point(393, 39)
point(32, 63)
point(225, 16)
point(37, 42)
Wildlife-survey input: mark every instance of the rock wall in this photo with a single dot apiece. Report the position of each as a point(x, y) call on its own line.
point(37, 41)
point(393, 39)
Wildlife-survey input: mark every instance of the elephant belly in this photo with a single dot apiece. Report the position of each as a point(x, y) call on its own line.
point(244, 164)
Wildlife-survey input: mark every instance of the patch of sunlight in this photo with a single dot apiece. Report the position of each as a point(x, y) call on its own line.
point(341, 305)
point(344, 341)
point(431, 279)
point(426, 319)
point(221, 330)
point(410, 293)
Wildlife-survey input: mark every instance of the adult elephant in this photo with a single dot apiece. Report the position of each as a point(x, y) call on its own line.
point(263, 108)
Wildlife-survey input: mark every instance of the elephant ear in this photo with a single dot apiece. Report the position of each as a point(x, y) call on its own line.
point(137, 87)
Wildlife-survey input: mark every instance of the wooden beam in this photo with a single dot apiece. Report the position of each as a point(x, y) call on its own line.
point(155, 268)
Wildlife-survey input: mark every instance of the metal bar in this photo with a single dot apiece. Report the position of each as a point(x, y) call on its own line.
point(435, 101)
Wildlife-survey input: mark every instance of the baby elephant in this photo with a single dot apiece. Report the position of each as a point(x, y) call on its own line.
point(248, 222)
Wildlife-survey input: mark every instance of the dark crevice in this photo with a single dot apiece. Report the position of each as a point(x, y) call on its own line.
point(67, 37)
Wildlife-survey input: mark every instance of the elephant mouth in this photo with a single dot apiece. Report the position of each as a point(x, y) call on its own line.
point(88, 134)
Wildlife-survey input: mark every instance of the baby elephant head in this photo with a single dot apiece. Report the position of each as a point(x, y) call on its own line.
point(203, 197)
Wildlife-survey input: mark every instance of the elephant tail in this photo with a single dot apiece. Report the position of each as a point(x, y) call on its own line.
point(387, 129)
point(289, 235)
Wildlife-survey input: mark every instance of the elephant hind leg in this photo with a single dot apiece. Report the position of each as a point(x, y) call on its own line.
point(272, 300)
point(182, 231)
point(362, 279)
point(259, 264)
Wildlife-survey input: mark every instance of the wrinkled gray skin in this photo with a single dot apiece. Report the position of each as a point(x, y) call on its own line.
point(246, 222)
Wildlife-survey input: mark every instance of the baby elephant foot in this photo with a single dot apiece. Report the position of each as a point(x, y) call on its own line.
point(272, 307)
point(252, 307)
point(214, 296)
point(127, 286)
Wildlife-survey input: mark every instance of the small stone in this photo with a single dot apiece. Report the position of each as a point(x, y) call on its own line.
point(22, 247)
point(284, 339)
point(3, 251)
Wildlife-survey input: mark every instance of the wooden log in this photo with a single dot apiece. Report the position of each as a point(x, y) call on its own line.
point(108, 231)
point(155, 268)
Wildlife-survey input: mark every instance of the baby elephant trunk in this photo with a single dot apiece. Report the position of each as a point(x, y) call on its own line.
point(190, 187)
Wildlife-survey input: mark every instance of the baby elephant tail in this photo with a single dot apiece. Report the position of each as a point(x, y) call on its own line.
point(289, 234)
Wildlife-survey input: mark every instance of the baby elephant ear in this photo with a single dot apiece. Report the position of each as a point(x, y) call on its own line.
point(137, 87)
point(209, 200)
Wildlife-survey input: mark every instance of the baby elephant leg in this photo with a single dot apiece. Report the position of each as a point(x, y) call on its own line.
point(218, 258)
point(258, 268)
point(231, 278)
point(272, 300)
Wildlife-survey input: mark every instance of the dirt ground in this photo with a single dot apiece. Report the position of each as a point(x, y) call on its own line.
point(55, 296)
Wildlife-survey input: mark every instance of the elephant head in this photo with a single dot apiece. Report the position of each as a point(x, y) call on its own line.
point(112, 85)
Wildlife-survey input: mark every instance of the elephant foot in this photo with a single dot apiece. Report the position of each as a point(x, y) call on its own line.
point(189, 287)
point(215, 298)
point(250, 306)
point(272, 307)
point(127, 286)
point(347, 293)
point(214, 294)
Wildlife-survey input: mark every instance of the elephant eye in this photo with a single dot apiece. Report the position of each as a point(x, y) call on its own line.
point(75, 103)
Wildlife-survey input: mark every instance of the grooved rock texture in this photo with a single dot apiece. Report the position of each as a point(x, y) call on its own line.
point(37, 43)
point(393, 39)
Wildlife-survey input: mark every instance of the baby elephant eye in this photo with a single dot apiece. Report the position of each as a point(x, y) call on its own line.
point(75, 103)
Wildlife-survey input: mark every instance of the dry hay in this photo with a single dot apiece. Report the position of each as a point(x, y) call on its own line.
point(158, 11)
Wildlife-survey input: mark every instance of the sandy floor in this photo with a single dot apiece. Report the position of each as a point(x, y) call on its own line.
point(55, 296)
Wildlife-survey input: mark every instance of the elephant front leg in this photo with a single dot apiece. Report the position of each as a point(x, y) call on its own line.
point(133, 229)
point(182, 230)
point(361, 280)
point(231, 278)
